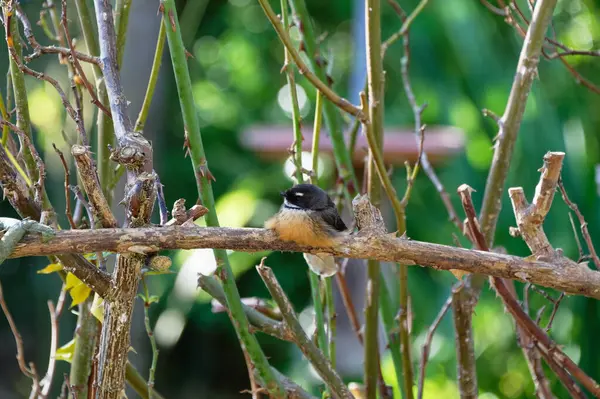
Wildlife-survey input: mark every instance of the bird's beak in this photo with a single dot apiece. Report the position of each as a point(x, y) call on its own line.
point(282, 193)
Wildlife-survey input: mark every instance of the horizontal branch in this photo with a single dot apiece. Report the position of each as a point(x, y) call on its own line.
point(562, 275)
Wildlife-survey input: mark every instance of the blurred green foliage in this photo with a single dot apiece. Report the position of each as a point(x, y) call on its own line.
point(463, 60)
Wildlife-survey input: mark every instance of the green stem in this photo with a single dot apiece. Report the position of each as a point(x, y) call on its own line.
point(88, 28)
point(137, 382)
point(85, 345)
point(151, 337)
point(332, 121)
point(5, 129)
point(315, 290)
point(160, 45)
point(399, 212)
point(332, 319)
point(291, 80)
point(198, 158)
point(316, 137)
point(371, 347)
point(191, 16)
point(122, 9)
point(21, 100)
point(353, 138)
point(405, 344)
point(375, 128)
point(388, 315)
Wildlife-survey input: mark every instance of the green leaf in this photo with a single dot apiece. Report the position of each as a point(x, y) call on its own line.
point(153, 299)
point(66, 351)
point(51, 268)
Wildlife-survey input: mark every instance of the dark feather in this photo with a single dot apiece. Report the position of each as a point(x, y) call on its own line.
point(332, 218)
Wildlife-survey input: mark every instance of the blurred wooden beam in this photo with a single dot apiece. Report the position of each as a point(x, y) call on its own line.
point(272, 142)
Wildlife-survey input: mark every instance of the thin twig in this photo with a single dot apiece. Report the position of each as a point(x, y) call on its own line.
point(55, 314)
point(407, 22)
point(77, 64)
point(67, 195)
point(42, 76)
point(162, 204)
point(554, 310)
point(427, 344)
point(155, 351)
point(310, 350)
point(81, 198)
point(311, 47)
point(583, 224)
point(154, 73)
point(303, 68)
point(288, 68)
point(28, 371)
point(349, 305)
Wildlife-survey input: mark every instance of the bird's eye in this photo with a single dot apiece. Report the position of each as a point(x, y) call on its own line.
point(299, 194)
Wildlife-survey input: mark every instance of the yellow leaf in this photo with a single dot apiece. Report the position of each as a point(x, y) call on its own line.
point(79, 293)
point(66, 351)
point(51, 268)
point(98, 308)
point(72, 281)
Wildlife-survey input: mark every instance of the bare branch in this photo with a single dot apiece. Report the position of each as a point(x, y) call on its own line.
point(310, 350)
point(28, 371)
point(562, 275)
point(342, 103)
point(67, 195)
point(55, 313)
point(76, 64)
point(427, 344)
point(583, 224)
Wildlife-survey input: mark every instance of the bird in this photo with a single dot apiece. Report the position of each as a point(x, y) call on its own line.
point(309, 217)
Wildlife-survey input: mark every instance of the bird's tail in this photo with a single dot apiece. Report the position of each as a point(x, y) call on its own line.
point(322, 264)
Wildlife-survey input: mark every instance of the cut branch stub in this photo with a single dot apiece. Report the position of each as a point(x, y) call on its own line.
point(530, 217)
point(132, 152)
point(368, 218)
point(89, 177)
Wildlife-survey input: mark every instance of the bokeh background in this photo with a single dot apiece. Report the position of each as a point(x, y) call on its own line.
point(463, 60)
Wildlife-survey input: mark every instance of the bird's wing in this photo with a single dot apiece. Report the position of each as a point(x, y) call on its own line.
point(332, 218)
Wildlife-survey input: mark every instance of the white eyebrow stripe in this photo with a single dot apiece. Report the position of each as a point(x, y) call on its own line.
point(287, 204)
point(299, 194)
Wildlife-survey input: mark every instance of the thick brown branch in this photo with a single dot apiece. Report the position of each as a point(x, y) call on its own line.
point(570, 278)
point(135, 153)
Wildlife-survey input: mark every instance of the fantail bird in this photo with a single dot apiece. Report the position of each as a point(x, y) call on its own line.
point(309, 217)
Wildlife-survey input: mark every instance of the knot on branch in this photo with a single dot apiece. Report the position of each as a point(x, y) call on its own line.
point(133, 151)
point(368, 218)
